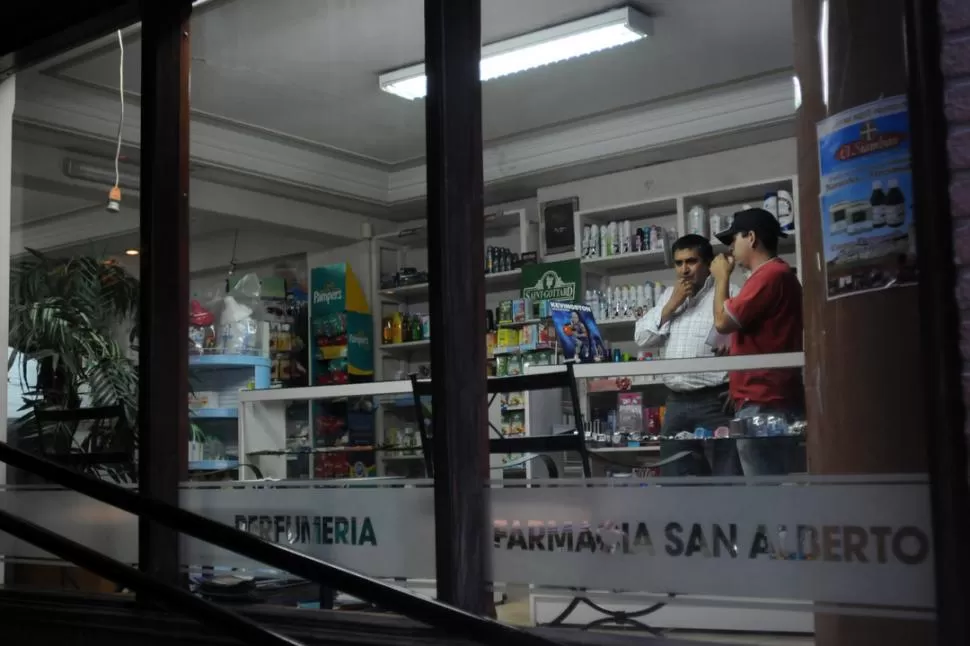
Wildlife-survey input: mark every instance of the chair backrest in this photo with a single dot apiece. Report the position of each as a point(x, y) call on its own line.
point(571, 441)
point(87, 438)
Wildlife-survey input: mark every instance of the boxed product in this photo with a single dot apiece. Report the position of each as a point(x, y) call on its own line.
point(538, 359)
point(521, 310)
point(513, 399)
point(508, 337)
point(505, 312)
point(502, 365)
point(515, 425)
point(529, 334)
point(630, 413)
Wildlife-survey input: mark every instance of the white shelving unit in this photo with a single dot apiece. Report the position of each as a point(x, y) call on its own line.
point(518, 230)
point(669, 212)
point(514, 229)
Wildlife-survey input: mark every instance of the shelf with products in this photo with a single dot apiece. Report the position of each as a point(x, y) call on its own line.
point(338, 439)
point(418, 292)
point(640, 210)
point(511, 239)
point(267, 443)
point(407, 347)
point(218, 370)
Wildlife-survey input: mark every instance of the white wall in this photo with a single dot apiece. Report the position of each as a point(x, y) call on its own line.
point(738, 166)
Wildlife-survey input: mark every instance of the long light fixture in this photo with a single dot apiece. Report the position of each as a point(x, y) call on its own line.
point(89, 172)
point(535, 49)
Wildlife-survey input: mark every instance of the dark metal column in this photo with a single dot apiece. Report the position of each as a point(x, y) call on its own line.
point(163, 355)
point(456, 252)
point(942, 370)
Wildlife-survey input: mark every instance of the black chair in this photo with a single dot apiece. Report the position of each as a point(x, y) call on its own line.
point(571, 441)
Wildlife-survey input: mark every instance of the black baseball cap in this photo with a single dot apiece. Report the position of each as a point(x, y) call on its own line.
point(758, 220)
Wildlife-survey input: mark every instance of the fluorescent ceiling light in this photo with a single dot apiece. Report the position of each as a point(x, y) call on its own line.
point(543, 47)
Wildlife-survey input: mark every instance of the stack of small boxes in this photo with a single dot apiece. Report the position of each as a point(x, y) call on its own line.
point(525, 336)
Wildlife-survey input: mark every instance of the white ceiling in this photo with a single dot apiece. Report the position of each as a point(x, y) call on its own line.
point(304, 73)
point(307, 69)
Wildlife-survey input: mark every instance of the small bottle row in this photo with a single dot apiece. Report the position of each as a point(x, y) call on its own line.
point(405, 327)
point(623, 301)
point(618, 238)
point(499, 260)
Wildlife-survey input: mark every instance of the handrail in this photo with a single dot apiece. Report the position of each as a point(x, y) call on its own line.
point(243, 629)
point(434, 613)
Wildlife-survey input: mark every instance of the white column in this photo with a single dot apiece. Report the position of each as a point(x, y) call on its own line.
point(7, 98)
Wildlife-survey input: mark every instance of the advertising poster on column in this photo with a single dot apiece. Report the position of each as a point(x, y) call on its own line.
point(866, 198)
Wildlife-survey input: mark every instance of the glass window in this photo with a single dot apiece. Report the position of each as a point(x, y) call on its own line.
point(72, 381)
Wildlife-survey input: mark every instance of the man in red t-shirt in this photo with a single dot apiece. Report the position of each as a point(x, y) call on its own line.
point(765, 318)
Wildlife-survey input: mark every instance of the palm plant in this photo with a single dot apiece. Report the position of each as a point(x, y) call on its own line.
point(65, 314)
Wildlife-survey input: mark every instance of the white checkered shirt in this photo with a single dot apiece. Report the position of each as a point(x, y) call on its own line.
point(684, 336)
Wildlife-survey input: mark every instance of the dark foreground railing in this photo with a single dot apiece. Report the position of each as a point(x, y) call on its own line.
point(439, 615)
point(241, 628)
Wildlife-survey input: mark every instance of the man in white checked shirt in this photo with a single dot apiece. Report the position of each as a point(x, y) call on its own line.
point(681, 322)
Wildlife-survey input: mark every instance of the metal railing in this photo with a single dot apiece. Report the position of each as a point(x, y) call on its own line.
point(241, 628)
point(433, 613)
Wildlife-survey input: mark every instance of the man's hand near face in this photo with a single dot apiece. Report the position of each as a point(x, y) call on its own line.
point(683, 289)
point(722, 267)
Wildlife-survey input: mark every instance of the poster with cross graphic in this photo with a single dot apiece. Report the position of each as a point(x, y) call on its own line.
point(866, 198)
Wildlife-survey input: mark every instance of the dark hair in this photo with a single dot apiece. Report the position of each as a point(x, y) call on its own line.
point(694, 242)
point(768, 240)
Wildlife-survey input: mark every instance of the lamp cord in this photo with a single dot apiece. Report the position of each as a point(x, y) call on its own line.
point(121, 96)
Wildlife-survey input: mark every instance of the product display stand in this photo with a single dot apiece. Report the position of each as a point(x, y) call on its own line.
point(341, 325)
point(217, 380)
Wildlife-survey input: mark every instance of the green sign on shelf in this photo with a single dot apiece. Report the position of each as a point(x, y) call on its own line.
point(553, 281)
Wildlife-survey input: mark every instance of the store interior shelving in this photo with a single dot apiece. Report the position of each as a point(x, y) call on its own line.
point(218, 379)
point(514, 229)
point(518, 231)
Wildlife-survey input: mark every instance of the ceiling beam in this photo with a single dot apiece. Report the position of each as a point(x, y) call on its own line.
point(69, 106)
point(41, 167)
point(73, 107)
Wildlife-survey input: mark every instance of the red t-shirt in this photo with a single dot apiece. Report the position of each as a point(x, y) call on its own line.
point(769, 310)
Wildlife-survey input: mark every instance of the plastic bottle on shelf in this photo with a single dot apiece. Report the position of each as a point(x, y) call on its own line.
point(614, 239)
point(585, 247)
point(786, 211)
point(594, 241)
point(625, 237)
point(697, 221)
point(625, 301)
point(397, 327)
point(715, 225)
point(604, 241)
point(617, 303)
point(770, 204)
